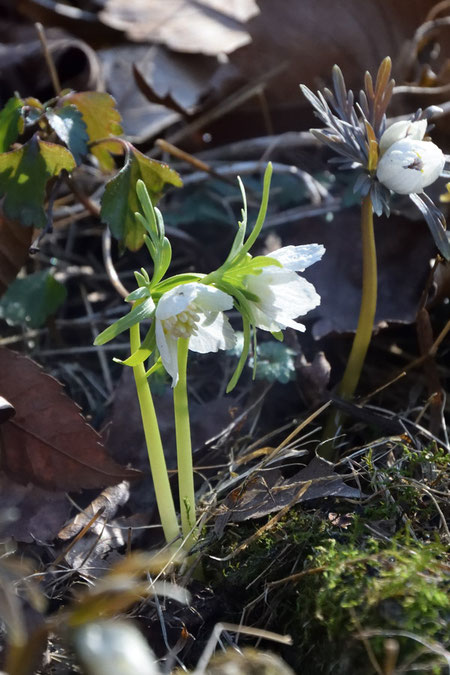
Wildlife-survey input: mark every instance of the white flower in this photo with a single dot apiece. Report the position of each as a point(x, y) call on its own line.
point(283, 295)
point(114, 648)
point(193, 311)
point(408, 166)
point(408, 163)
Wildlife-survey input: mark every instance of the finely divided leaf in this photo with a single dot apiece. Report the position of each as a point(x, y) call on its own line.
point(69, 125)
point(102, 120)
point(120, 201)
point(11, 123)
point(24, 174)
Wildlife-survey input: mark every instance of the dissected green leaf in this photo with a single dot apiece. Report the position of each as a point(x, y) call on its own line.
point(275, 362)
point(24, 174)
point(30, 301)
point(69, 125)
point(102, 120)
point(11, 123)
point(120, 201)
point(139, 313)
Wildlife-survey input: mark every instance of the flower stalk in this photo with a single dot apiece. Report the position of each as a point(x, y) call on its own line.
point(184, 448)
point(164, 498)
point(368, 306)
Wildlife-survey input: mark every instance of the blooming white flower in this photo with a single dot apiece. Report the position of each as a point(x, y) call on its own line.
point(283, 294)
point(408, 164)
point(193, 311)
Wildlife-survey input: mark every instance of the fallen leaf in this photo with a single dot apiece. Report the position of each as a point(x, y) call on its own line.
point(15, 242)
point(37, 514)
point(140, 119)
point(199, 26)
point(268, 492)
point(311, 37)
point(177, 81)
point(103, 535)
point(404, 249)
point(48, 443)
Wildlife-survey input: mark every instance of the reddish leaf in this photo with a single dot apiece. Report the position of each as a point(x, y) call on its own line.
point(15, 241)
point(48, 443)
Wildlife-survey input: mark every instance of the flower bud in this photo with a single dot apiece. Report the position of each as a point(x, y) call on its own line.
point(408, 166)
point(400, 130)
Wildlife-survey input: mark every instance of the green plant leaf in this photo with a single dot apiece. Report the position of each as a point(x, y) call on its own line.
point(32, 300)
point(24, 174)
point(102, 120)
point(139, 313)
point(69, 125)
point(275, 362)
point(11, 123)
point(120, 201)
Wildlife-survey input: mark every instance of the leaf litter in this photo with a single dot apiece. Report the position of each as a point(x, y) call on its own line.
point(254, 490)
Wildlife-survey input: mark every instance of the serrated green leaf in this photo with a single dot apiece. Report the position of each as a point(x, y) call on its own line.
point(11, 123)
point(102, 120)
point(275, 362)
point(24, 174)
point(32, 300)
point(136, 315)
point(69, 125)
point(32, 110)
point(120, 201)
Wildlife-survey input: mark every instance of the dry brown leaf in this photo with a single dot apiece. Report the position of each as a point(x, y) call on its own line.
point(268, 492)
point(310, 37)
point(404, 248)
point(192, 26)
point(36, 514)
point(47, 442)
point(15, 241)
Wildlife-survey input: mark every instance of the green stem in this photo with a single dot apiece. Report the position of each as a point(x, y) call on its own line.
point(368, 304)
point(184, 448)
point(364, 330)
point(164, 498)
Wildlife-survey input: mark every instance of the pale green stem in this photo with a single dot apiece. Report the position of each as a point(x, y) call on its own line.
point(164, 498)
point(366, 320)
point(184, 448)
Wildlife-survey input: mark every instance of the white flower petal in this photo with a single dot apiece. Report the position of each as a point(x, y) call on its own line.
point(283, 296)
point(400, 130)
point(408, 166)
point(214, 332)
point(211, 299)
point(298, 258)
point(168, 348)
point(176, 300)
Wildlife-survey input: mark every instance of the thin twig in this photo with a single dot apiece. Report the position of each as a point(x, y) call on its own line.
point(48, 58)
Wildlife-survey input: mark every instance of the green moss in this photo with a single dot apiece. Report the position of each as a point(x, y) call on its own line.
point(349, 581)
